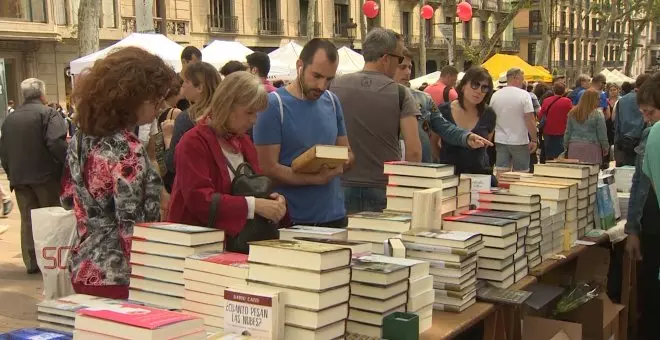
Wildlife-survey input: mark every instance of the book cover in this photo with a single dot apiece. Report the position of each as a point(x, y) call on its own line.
point(378, 267)
point(307, 247)
point(388, 259)
point(136, 315)
point(388, 216)
point(36, 334)
point(176, 227)
point(250, 314)
point(498, 222)
point(223, 258)
point(605, 207)
point(442, 234)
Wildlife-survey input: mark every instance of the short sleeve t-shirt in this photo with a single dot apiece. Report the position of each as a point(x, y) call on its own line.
point(371, 107)
point(603, 99)
point(473, 161)
point(437, 92)
point(304, 123)
point(510, 105)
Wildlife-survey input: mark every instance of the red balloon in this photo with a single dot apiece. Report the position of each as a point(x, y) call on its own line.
point(370, 9)
point(464, 11)
point(427, 12)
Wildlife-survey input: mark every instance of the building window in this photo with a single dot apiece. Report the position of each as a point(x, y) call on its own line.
point(562, 20)
point(571, 51)
point(467, 31)
point(108, 14)
point(535, 21)
point(405, 23)
point(594, 24)
point(562, 51)
point(484, 30)
point(606, 52)
point(531, 53)
point(428, 28)
point(24, 10)
point(61, 12)
point(657, 34)
point(270, 24)
point(221, 18)
point(571, 23)
point(341, 19)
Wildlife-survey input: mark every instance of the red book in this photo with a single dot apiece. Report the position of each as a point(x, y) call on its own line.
point(137, 322)
point(220, 263)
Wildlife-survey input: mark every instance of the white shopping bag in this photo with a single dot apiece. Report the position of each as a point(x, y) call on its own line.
point(54, 231)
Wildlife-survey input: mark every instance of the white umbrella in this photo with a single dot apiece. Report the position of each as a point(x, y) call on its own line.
point(157, 44)
point(219, 52)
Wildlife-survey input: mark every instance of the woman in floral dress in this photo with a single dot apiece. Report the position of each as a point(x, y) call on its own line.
point(109, 181)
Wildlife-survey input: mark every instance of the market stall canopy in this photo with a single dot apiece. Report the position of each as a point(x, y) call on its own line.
point(349, 61)
point(500, 63)
point(219, 52)
point(283, 61)
point(622, 77)
point(430, 79)
point(157, 44)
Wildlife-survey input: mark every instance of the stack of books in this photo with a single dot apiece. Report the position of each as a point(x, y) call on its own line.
point(382, 285)
point(60, 314)
point(464, 196)
point(505, 200)
point(406, 178)
point(507, 178)
point(313, 232)
point(590, 200)
point(157, 259)
point(136, 322)
point(206, 276)
point(315, 280)
point(375, 228)
point(488, 265)
point(453, 259)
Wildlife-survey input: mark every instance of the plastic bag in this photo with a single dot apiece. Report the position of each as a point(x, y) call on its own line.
point(54, 231)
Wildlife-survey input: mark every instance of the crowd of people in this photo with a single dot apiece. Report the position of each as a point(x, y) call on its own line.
point(214, 147)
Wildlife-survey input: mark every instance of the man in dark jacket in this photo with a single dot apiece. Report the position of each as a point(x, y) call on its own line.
point(32, 150)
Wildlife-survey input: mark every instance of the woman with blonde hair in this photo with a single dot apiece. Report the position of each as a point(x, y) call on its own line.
point(218, 182)
point(586, 134)
point(200, 81)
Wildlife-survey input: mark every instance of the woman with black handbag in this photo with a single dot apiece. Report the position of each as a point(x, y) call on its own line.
point(218, 182)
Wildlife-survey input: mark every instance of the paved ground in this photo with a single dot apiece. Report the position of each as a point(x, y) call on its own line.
point(19, 292)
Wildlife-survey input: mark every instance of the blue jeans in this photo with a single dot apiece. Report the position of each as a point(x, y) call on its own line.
point(358, 199)
point(554, 146)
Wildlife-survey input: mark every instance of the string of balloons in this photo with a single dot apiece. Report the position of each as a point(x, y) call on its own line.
point(463, 10)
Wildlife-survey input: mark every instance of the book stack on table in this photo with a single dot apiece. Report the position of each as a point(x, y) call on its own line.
point(158, 253)
point(382, 285)
point(314, 279)
point(435, 185)
point(206, 276)
point(502, 262)
point(507, 178)
point(548, 228)
point(453, 259)
point(136, 322)
point(505, 200)
point(305, 231)
point(376, 228)
point(590, 193)
point(60, 314)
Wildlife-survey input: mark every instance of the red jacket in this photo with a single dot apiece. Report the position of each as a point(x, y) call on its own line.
point(201, 171)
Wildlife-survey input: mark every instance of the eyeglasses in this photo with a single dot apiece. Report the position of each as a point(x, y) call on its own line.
point(485, 88)
point(400, 57)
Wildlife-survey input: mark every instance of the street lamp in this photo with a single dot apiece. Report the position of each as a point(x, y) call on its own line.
point(592, 59)
point(351, 32)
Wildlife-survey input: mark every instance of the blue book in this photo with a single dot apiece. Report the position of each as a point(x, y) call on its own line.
point(36, 334)
point(605, 205)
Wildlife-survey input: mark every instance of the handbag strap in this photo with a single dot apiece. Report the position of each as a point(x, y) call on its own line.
point(547, 111)
point(213, 211)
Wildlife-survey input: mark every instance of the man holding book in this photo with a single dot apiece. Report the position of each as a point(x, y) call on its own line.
point(300, 116)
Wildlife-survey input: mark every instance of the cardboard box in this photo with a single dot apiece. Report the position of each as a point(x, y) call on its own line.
point(599, 318)
point(535, 328)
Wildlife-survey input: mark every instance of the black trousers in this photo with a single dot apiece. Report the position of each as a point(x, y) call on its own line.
point(649, 284)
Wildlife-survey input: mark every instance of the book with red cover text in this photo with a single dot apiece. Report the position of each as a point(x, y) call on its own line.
point(221, 263)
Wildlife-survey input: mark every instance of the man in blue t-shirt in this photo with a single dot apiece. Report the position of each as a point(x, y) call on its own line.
point(597, 83)
point(299, 116)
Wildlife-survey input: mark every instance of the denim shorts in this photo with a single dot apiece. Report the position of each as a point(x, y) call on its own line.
point(514, 157)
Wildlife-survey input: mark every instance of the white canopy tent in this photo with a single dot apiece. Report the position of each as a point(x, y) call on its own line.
point(621, 76)
point(157, 44)
point(283, 61)
point(349, 61)
point(219, 52)
point(430, 79)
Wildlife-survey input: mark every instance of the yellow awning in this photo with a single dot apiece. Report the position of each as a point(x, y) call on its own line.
point(500, 63)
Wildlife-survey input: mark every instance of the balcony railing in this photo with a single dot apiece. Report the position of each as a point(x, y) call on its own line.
point(174, 27)
point(429, 41)
point(340, 30)
point(269, 26)
point(527, 31)
point(595, 34)
point(490, 5)
point(510, 46)
point(302, 28)
point(223, 24)
point(613, 63)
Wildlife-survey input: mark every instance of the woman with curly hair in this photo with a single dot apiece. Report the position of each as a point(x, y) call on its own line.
point(109, 181)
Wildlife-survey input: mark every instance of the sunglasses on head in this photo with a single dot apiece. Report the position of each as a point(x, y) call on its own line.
point(400, 57)
point(475, 85)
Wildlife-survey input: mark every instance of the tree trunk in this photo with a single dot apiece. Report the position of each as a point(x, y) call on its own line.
point(578, 40)
point(605, 30)
point(497, 35)
point(162, 13)
point(363, 22)
point(637, 30)
point(88, 26)
point(422, 41)
point(542, 53)
point(311, 16)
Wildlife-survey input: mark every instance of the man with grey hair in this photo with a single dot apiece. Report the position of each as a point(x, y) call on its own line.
point(32, 150)
point(378, 111)
point(515, 130)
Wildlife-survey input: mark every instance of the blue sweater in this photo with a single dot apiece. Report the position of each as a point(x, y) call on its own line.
point(592, 130)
